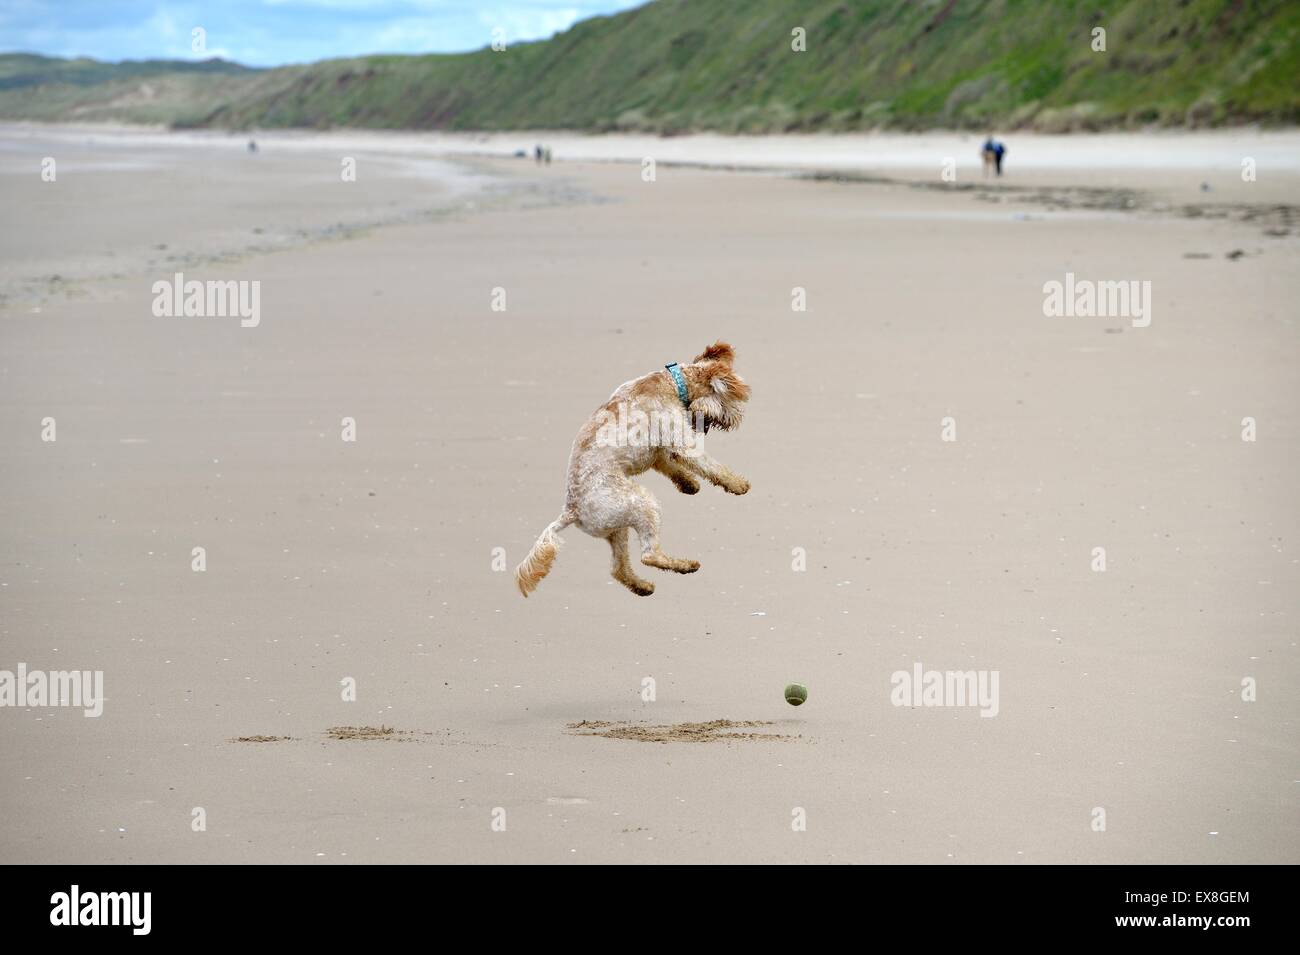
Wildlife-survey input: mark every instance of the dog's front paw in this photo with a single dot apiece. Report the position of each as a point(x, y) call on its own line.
point(686, 485)
point(738, 486)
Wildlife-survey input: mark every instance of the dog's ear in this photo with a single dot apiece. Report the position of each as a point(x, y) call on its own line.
point(728, 384)
point(722, 382)
point(718, 351)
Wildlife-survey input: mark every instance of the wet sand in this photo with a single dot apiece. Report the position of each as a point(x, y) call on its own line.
point(374, 561)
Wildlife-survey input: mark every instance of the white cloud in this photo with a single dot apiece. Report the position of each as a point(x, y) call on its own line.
point(272, 32)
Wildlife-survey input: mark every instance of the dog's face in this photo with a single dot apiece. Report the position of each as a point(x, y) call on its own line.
point(724, 393)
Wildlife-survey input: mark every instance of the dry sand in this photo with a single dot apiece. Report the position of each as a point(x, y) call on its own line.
point(373, 561)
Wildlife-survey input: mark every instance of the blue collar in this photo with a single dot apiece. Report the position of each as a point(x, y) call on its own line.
point(680, 380)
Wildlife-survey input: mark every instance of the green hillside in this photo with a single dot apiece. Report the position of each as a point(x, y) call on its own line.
point(678, 65)
point(171, 92)
point(19, 70)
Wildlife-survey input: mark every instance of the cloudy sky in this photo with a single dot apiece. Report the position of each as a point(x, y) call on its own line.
point(273, 32)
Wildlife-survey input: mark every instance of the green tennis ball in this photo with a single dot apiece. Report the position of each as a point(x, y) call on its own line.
point(796, 693)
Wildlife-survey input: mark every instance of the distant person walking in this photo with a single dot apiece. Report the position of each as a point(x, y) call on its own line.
point(537, 153)
point(993, 151)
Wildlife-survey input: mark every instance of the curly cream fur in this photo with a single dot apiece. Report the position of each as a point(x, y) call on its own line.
point(603, 501)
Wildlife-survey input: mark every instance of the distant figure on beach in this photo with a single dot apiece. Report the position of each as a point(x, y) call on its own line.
point(548, 155)
point(537, 153)
point(992, 153)
point(252, 146)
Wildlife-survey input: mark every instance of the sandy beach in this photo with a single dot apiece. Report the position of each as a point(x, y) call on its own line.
point(378, 563)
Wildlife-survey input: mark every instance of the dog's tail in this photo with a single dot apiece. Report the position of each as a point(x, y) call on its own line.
point(538, 563)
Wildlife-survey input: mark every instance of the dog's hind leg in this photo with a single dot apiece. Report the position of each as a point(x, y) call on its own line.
point(622, 566)
point(670, 466)
point(645, 519)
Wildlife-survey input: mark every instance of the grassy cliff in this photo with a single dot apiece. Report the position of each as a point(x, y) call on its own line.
point(677, 65)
